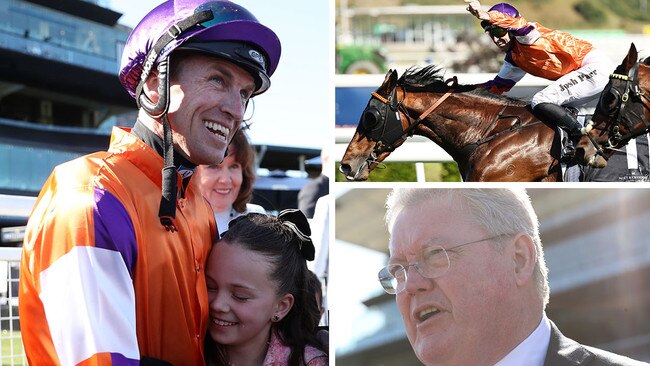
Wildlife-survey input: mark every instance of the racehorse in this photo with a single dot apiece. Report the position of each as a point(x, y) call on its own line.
point(622, 113)
point(491, 137)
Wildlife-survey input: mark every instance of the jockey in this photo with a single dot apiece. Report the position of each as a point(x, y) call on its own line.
point(578, 70)
point(113, 262)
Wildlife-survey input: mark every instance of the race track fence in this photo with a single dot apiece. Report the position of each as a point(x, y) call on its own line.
point(11, 345)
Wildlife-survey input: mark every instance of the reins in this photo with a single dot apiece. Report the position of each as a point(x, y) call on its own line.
point(408, 127)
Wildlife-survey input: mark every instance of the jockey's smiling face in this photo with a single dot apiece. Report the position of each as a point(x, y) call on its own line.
point(500, 37)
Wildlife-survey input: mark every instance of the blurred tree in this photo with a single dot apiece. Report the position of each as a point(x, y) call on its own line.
point(630, 9)
point(590, 11)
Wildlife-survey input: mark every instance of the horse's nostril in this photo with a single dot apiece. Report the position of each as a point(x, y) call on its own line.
point(345, 168)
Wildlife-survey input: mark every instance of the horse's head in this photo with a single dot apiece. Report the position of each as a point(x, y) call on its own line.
point(387, 122)
point(377, 134)
point(622, 113)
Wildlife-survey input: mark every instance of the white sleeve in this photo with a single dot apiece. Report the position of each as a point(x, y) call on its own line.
point(89, 302)
point(511, 72)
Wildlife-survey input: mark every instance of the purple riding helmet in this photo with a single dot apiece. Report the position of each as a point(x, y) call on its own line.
point(503, 8)
point(218, 28)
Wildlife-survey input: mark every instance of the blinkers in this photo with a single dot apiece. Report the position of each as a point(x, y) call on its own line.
point(614, 104)
point(381, 119)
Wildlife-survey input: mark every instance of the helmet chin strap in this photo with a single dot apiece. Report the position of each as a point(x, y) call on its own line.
point(167, 210)
point(225, 152)
point(158, 110)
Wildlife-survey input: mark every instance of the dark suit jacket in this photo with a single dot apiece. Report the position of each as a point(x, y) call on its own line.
point(563, 351)
point(311, 192)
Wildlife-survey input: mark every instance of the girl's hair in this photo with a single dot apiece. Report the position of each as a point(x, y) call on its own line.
point(245, 156)
point(285, 241)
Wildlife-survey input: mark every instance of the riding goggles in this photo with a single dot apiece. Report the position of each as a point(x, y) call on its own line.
point(497, 32)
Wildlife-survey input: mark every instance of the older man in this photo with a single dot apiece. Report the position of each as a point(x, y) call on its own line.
point(467, 267)
point(114, 251)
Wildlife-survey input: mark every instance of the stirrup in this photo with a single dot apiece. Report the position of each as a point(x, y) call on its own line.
point(568, 151)
point(568, 156)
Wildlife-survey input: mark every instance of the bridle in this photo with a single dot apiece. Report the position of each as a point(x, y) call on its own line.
point(385, 124)
point(623, 108)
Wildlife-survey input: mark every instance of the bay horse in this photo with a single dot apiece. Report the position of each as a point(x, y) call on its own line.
point(622, 113)
point(491, 137)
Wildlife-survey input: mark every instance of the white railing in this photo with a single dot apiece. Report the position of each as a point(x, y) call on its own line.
point(11, 345)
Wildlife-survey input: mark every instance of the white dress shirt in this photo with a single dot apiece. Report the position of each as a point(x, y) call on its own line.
point(532, 351)
point(223, 218)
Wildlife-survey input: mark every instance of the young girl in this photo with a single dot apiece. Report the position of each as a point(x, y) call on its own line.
point(261, 310)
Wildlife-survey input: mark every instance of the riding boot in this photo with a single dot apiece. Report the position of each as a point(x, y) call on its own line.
point(556, 114)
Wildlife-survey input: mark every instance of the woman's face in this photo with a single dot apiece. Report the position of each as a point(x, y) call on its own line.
point(220, 183)
point(243, 298)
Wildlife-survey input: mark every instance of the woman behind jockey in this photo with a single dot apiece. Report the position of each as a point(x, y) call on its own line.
point(578, 70)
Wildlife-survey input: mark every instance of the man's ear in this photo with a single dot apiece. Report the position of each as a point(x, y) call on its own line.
point(150, 88)
point(525, 258)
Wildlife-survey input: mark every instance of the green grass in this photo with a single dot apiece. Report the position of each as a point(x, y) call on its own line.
point(6, 339)
point(405, 172)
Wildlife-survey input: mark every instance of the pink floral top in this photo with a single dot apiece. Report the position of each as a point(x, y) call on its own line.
point(278, 354)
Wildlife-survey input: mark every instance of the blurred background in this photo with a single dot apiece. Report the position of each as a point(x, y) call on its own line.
point(596, 248)
point(373, 36)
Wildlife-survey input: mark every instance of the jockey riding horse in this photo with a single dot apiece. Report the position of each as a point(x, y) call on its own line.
point(578, 70)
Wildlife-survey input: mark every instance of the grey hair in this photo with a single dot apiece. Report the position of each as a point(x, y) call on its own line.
point(500, 211)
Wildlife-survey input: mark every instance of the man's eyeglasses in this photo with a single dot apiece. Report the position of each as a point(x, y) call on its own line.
point(497, 32)
point(434, 263)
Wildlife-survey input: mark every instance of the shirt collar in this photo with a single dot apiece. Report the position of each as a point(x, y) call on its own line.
point(532, 351)
point(154, 141)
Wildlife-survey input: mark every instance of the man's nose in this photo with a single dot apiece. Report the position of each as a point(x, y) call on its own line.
point(232, 105)
point(416, 282)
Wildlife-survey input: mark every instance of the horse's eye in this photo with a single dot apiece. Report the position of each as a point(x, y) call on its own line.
point(371, 118)
point(611, 101)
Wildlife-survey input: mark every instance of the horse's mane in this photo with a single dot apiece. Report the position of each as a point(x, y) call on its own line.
point(422, 76)
point(431, 77)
